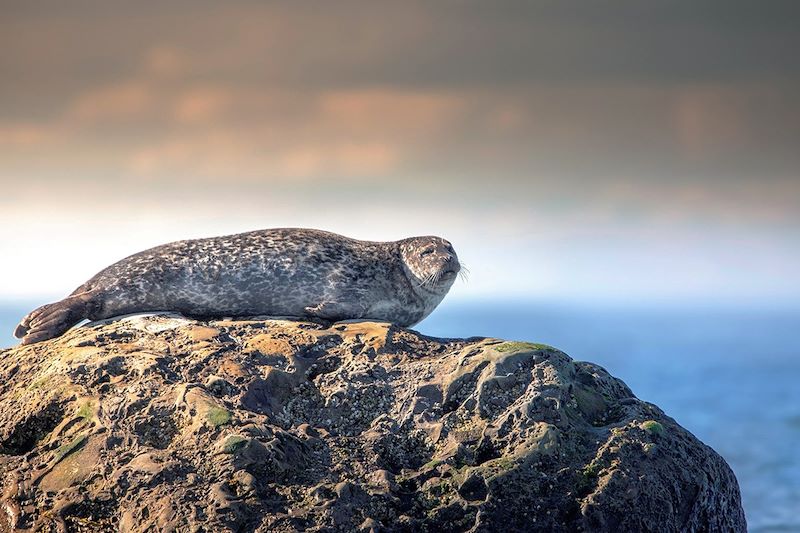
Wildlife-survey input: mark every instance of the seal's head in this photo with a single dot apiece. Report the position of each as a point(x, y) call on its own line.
point(430, 263)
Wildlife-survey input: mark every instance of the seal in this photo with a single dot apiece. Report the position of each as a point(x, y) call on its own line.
point(275, 272)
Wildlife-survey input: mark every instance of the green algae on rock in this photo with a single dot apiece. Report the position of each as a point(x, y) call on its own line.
point(168, 424)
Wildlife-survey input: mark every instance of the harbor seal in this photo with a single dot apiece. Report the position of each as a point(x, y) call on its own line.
point(276, 272)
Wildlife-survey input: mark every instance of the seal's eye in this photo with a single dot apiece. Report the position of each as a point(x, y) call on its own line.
point(426, 251)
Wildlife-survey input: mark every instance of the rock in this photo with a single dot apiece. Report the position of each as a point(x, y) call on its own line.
point(167, 424)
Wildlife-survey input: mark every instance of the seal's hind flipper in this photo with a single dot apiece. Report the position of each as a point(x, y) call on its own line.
point(51, 320)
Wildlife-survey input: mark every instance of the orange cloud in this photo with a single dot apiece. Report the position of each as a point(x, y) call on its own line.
point(375, 111)
point(202, 104)
point(346, 159)
point(23, 135)
point(119, 102)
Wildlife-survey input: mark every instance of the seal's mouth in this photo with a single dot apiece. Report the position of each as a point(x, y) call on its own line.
point(449, 271)
point(443, 277)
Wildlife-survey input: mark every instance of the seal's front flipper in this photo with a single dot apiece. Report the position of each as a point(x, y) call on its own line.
point(336, 311)
point(51, 320)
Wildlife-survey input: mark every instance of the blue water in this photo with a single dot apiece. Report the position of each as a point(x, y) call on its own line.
point(731, 378)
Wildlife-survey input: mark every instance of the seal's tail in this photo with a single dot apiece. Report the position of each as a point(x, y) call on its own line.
point(51, 320)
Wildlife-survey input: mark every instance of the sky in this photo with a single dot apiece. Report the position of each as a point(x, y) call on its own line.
point(622, 152)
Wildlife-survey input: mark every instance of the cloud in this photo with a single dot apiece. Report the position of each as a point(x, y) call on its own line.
point(371, 111)
point(164, 61)
point(202, 105)
point(124, 102)
point(226, 132)
point(352, 160)
point(22, 135)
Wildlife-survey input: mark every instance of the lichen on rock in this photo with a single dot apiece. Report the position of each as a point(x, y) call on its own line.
point(169, 424)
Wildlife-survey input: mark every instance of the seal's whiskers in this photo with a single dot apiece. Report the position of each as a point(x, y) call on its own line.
point(463, 273)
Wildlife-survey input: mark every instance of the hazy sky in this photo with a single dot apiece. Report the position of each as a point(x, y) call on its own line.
point(628, 151)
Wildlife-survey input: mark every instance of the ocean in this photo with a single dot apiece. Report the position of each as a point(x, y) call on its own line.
point(730, 377)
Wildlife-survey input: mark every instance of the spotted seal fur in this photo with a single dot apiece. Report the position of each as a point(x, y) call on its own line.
point(277, 272)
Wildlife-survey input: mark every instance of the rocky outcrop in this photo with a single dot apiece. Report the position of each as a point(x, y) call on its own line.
point(168, 424)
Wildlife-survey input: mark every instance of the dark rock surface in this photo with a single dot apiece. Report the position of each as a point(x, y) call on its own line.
point(168, 424)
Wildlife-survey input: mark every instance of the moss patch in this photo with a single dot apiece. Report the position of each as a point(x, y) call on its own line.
point(652, 427)
point(217, 416)
point(591, 470)
point(495, 468)
point(86, 411)
point(233, 443)
point(38, 383)
point(71, 446)
point(430, 465)
point(515, 346)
